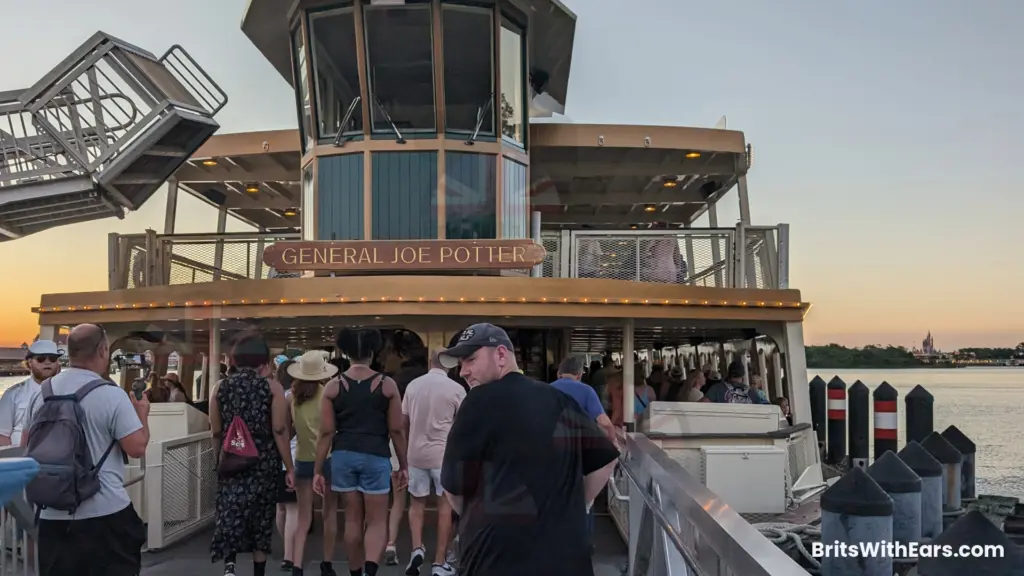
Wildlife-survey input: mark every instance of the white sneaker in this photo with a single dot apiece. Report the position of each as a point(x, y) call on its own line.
point(442, 570)
point(391, 556)
point(415, 561)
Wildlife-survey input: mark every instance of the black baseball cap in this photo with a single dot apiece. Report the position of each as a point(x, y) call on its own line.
point(472, 339)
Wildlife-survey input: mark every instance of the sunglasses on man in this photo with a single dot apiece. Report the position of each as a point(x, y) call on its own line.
point(45, 357)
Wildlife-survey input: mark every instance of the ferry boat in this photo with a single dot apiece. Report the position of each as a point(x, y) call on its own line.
point(418, 196)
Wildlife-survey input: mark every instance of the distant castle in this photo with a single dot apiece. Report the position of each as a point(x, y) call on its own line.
point(928, 345)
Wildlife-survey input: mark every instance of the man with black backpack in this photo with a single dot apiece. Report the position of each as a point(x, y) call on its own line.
point(82, 429)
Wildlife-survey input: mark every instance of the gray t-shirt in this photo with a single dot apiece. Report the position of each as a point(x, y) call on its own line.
point(14, 409)
point(109, 416)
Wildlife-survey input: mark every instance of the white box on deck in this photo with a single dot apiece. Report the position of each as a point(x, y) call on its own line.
point(709, 418)
point(750, 479)
point(175, 419)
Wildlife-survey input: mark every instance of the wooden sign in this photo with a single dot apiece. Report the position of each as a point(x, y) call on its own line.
point(399, 255)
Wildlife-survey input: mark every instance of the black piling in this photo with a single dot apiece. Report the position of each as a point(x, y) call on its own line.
point(920, 410)
point(818, 409)
point(966, 447)
point(904, 487)
point(856, 511)
point(951, 461)
point(886, 420)
point(836, 395)
point(858, 415)
point(930, 471)
point(980, 535)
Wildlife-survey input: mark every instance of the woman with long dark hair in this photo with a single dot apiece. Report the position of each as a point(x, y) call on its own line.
point(247, 497)
point(360, 412)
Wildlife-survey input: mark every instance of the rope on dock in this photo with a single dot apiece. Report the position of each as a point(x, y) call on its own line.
point(787, 536)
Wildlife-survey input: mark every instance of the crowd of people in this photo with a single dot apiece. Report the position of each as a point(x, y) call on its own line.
point(350, 430)
point(705, 385)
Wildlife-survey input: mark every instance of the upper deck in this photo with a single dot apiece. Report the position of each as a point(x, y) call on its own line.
point(603, 197)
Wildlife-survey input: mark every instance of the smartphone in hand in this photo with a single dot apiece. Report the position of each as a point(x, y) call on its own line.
point(139, 388)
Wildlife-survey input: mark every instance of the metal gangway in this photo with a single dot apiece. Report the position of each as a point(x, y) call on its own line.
point(100, 133)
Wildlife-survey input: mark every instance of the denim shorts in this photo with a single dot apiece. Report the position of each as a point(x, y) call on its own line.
point(366, 473)
point(304, 470)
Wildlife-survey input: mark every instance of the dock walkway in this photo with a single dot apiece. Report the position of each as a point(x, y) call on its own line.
point(192, 557)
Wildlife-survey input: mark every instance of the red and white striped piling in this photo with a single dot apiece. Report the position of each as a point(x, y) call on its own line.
point(886, 419)
point(836, 404)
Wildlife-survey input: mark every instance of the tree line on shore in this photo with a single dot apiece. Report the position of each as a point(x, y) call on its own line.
point(872, 356)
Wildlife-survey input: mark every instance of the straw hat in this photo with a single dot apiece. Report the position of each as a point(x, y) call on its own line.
point(312, 366)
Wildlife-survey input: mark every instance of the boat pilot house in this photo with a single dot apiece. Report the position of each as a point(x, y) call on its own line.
point(428, 186)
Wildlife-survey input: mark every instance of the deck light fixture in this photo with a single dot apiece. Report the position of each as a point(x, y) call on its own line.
point(291, 212)
point(209, 162)
point(670, 182)
point(693, 155)
point(650, 208)
point(252, 188)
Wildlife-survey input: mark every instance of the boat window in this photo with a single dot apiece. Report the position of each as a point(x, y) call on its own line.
point(468, 69)
point(512, 95)
point(399, 53)
point(302, 89)
point(307, 202)
point(336, 71)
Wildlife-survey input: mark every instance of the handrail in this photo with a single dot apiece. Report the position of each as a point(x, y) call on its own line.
point(659, 516)
point(723, 534)
point(217, 97)
point(227, 236)
point(779, 434)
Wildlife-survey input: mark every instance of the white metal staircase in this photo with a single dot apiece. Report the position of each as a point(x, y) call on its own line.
point(99, 134)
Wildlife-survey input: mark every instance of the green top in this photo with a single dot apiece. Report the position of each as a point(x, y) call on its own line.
point(306, 418)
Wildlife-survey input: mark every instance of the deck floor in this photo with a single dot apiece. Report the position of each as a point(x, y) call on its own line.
point(192, 556)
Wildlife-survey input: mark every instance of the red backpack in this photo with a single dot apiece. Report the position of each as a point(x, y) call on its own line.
point(238, 453)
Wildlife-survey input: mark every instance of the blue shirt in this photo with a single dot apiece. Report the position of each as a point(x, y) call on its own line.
point(582, 393)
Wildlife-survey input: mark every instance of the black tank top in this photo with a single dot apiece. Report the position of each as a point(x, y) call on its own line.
point(361, 417)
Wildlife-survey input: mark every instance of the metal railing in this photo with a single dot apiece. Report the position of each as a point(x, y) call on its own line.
point(80, 117)
point(740, 257)
point(180, 489)
point(17, 529)
point(152, 259)
point(696, 257)
point(676, 526)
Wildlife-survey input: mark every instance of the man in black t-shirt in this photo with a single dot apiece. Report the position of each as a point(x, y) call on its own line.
point(521, 465)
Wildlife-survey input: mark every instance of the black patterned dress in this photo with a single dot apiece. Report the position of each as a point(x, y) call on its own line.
point(246, 502)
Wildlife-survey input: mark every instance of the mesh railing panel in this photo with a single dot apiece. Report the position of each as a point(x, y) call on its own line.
point(796, 455)
point(192, 262)
point(758, 243)
point(189, 488)
point(670, 258)
point(552, 260)
point(136, 262)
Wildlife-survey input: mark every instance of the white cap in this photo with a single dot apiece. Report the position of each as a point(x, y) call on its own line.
point(44, 347)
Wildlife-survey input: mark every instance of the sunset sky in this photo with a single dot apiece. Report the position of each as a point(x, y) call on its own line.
point(885, 134)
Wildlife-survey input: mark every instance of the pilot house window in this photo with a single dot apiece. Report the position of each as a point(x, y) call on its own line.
point(302, 92)
point(399, 53)
point(468, 71)
point(512, 89)
point(336, 70)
